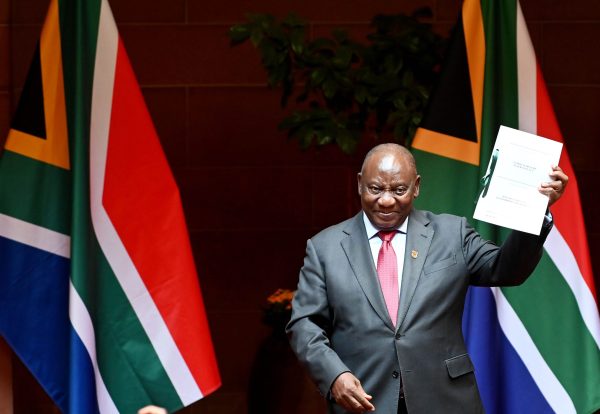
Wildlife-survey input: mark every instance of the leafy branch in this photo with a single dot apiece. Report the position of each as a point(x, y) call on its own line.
point(343, 89)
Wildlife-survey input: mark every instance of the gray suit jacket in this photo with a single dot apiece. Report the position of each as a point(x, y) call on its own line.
point(340, 322)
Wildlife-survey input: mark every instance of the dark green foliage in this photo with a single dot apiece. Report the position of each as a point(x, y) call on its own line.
point(343, 88)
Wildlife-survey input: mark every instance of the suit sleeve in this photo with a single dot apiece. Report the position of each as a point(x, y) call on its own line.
point(309, 327)
point(507, 265)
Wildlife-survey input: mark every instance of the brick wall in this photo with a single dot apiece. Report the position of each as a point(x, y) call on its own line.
point(242, 182)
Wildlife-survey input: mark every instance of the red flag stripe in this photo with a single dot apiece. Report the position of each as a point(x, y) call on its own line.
point(568, 215)
point(163, 257)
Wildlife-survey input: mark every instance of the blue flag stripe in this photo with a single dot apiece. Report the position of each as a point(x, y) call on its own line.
point(82, 393)
point(36, 323)
point(511, 389)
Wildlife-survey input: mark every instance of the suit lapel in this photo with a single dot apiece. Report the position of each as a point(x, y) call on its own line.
point(418, 240)
point(358, 252)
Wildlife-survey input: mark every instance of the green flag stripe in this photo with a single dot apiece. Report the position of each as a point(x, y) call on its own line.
point(545, 304)
point(555, 324)
point(453, 192)
point(48, 205)
point(501, 92)
point(549, 312)
point(127, 361)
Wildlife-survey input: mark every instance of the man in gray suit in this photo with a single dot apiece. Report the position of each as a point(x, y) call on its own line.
point(368, 349)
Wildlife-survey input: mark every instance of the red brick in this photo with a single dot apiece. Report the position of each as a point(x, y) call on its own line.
point(567, 54)
point(246, 199)
point(333, 10)
point(190, 54)
point(577, 112)
point(144, 11)
point(238, 126)
point(167, 108)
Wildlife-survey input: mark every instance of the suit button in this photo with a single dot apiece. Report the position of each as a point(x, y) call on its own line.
point(395, 374)
point(398, 336)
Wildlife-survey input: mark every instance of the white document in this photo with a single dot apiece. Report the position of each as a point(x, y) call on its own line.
point(520, 162)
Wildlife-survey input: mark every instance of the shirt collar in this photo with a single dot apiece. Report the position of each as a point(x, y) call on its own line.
point(372, 231)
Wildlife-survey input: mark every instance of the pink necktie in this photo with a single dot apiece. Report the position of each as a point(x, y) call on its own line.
point(387, 270)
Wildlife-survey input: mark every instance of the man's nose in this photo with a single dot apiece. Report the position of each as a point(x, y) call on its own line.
point(386, 199)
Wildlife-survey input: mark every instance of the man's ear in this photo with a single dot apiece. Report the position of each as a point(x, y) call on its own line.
point(417, 186)
point(358, 181)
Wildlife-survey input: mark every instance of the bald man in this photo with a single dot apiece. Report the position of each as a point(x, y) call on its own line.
point(376, 318)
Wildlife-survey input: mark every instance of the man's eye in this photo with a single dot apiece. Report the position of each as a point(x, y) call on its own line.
point(400, 191)
point(375, 190)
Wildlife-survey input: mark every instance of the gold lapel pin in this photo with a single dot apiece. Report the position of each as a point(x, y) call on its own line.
point(414, 254)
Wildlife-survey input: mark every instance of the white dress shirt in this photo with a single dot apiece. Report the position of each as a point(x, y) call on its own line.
point(398, 244)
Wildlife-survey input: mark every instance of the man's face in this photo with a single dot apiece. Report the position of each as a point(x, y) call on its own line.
point(387, 187)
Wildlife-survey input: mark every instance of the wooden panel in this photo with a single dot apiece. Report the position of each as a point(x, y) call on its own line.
point(34, 11)
point(332, 10)
point(24, 40)
point(4, 57)
point(4, 116)
point(356, 31)
point(238, 126)
point(202, 55)
point(240, 269)
point(567, 54)
point(589, 201)
point(144, 11)
point(447, 10)
point(335, 195)
point(594, 240)
point(560, 10)
point(577, 112)
point(167, 108)
point(29, 11)
point(245, 198)
point(236, 336)
point(4, 12)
